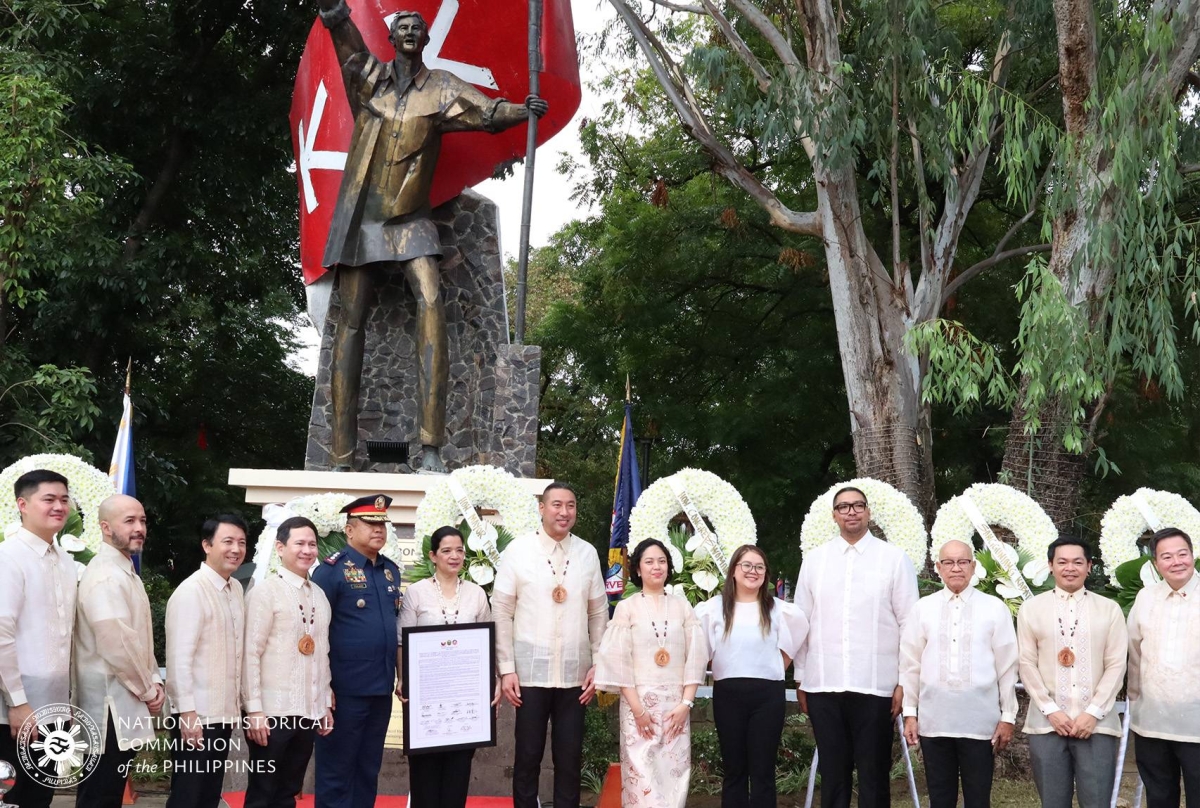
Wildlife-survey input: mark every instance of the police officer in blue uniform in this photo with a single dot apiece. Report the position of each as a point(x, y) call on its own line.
point(363, 588)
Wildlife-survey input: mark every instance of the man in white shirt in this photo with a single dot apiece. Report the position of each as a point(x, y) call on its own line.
point(115, 674)
point(286, 685)
point(856, 592)
point(37, 613)
point(550, 610)
point(958, 670)
point(1072, 646)
point(205, 633)
point(1164, 674)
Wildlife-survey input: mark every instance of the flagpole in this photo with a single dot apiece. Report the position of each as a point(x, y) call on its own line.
point(128, 374)
point(535, 69)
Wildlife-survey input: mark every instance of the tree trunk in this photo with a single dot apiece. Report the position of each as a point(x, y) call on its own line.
point(890, 427)
point(1041, 466)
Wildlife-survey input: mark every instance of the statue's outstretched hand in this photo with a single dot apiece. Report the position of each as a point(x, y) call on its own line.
point(537, 105)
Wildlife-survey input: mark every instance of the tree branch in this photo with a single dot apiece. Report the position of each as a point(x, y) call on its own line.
point(775, 38)
point(996, 258)
point(761, 76)
point(725, 162)
point(678, 6)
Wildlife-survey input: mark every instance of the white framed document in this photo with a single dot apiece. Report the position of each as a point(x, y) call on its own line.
point(449, 681)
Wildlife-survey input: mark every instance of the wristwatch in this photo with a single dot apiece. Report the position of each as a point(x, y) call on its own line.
point(689, 703)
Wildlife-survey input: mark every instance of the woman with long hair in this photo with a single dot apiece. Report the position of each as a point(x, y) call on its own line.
point(753, 636)
point(441, 779)
point(654, 653)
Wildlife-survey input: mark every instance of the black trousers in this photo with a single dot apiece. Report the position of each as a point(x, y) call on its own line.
point(197, 774)
point(440, 779)
point(1161, 763)
point(561, 708)
point(105, 787)
point(749, 718)
point(947, 760)
point(27, 793)
point(277, 769)
point(853, 731)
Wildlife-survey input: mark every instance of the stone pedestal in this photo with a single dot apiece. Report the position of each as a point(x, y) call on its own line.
point(492, 399)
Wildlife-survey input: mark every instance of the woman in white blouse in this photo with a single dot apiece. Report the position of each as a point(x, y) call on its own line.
point(753, 636)
point(654, 654)
point(442, 779)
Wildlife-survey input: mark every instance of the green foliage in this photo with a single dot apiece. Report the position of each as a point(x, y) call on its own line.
point(44, 409)
point(149, 213)
point(601, 744)
point(964, 371)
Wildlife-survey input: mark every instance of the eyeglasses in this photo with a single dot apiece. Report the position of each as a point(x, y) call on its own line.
point(846, 507)
point(747, 567)
point(955, 563)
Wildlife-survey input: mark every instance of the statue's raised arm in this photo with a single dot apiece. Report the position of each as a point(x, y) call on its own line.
point(347, 41)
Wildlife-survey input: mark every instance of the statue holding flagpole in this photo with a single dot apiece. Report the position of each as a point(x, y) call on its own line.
point(382, 218)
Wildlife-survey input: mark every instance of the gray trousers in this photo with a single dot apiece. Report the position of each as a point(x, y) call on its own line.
point(1066, 766)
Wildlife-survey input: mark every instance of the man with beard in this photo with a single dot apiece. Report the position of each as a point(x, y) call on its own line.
point(37, 613)
point(205, 631)
point(115, 674)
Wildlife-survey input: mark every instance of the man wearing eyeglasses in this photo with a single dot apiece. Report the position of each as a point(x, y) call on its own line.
point(1072, 646)
point(958, 670)
point(1164, 661)
point(857, 592)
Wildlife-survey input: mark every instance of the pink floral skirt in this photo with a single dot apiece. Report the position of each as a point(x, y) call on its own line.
point(654, 774)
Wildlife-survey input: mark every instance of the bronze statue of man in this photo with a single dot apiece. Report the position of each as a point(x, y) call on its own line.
point(382, 219)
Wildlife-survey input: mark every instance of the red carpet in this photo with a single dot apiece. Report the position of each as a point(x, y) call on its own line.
point(235, 801)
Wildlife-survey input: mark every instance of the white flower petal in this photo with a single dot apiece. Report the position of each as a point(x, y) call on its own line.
point(705, 580)
point(481, 574)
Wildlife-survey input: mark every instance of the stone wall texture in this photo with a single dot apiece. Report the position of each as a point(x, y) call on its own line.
point(492, 399)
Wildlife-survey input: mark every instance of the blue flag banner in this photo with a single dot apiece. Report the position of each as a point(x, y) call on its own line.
point(120, 470)
point(628, 488)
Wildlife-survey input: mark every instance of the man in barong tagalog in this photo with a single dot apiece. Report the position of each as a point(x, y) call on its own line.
point(382, 218)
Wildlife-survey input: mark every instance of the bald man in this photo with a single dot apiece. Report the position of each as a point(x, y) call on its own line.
point(114, 671)
point(958, 668)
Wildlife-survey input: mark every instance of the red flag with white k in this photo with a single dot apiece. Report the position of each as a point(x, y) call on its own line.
point(484, 42)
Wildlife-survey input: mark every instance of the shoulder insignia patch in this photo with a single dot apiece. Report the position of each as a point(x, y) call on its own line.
point(333, 558)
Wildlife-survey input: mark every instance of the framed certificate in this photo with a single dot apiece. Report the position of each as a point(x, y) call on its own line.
point(449, 681)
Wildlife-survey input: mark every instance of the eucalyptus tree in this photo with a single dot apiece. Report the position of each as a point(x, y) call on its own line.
point(1119, 213)
point(912, 101)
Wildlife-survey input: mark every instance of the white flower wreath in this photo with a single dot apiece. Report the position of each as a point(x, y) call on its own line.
point(324, 510)
point(894, 513)
point(487, 487)
point(716, 500)
point(88, 487)
point(1006, 507)
point(1125, 522)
